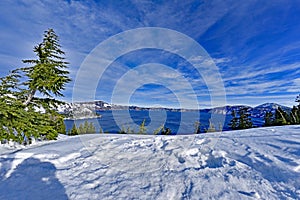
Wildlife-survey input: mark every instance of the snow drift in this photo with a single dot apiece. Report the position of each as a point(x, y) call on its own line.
point(262, 163)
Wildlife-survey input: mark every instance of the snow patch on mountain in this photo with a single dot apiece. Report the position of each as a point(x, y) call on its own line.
point(83, 110)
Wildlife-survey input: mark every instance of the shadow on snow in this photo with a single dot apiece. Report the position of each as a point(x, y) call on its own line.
point(32, 179)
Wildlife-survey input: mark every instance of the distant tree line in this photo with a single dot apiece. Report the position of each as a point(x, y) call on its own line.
point(84, 128)
point(162, 130)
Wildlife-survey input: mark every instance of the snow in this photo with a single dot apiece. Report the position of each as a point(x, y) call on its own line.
point(261, 163)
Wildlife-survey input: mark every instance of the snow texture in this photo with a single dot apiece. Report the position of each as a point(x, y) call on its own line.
point(262, 163)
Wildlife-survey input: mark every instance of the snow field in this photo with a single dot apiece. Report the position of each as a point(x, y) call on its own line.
point(262, 163)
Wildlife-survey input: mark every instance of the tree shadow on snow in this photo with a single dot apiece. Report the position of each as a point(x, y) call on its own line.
point(32, 179)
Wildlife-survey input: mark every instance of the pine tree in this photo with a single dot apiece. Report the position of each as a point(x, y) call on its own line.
point(244, 119)
point(126, 130)
point(122, 131)
point(234, 121)
point(159, 130)
point(269, 121)
point(85, 127)
point(281, 117)
point(17, 123)
point(166, 131)
point(197, 128)
point(142, 128)
point(91, 128)
point(57, 121)
point(162, 130)
point(298, 99)
point(295, 115)
point(129, 130)
point(74, 130)
point(81, 129)
point(22, 117)
point(211, 128)
point(48, 75)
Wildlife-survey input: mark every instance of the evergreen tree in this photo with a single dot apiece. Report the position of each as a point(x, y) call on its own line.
point(244, 119)
point(296, 110)
point(19, 122)
point(81, 129)
point(126, 131)
point(142, 129)
point(211, 128)
point(295, 115)
point(122, 131)
point(85, 127)
point(74, 130)
point(129, 130)
point(159, 130)
point(48, 75)
point(197, 129)
point(166, 131)
point(269, 121)
point(57, 121)
point(23, 115)
point(91, 128)
point(281, 117)
point(234, 121)
point(162, 130)
point(298, 100)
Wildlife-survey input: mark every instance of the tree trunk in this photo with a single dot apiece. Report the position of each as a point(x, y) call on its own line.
point(30, 97)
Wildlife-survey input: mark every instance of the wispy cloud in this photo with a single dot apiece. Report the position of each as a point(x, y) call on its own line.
point(257, 53)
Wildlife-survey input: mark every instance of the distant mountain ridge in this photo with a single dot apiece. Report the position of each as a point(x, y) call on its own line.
point(88, 108)
point(255, 111)
point(271, 107)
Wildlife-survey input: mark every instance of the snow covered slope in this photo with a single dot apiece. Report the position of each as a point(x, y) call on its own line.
point(262, 163)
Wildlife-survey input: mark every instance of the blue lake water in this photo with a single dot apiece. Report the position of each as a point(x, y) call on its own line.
point(178, 122)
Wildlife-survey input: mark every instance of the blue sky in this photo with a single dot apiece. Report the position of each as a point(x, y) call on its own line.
point(254, 44)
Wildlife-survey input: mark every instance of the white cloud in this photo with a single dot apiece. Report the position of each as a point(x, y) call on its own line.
point(152, 74)
point(247, 72)
point(82, 25)
point(221, 60)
